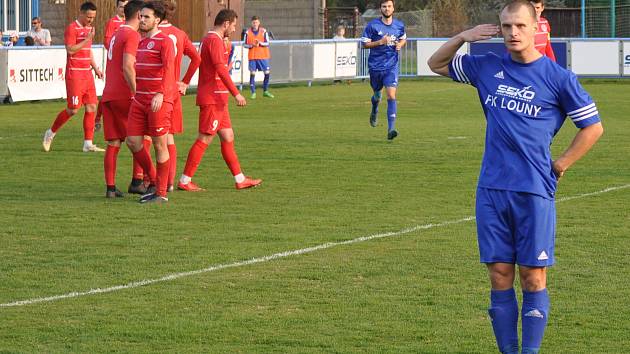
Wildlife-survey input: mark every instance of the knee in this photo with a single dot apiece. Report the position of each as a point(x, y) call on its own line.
point(533, 279)
point(205, 138)
point(72, 111)
point(135, 145)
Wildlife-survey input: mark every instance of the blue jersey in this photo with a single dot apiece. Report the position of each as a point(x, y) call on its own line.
point(383, 57)
point(525, 106)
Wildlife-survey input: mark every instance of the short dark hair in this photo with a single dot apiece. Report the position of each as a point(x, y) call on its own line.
point(538, 2)
point(381, 2)
point(88, 6)
point(158, 9)
point(171, 8)
point(254, 18)
point(29, 41)
point(517, 4)
point(119, 1)
point(225, 15)
point(132, 8)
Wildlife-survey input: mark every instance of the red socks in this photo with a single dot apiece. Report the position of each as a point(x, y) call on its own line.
point(162, 177)
point(194, 157)
point(61, 119)
point(144, 159)
point(172, 152)
point(88, 125)
point(111, 155)
point(229, 155)
point(138, 172)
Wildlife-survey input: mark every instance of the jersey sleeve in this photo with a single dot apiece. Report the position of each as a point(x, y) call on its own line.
point(577, 103)
point(217, 59)
point(246, 42)
point(70, 36)
point(403, 32)
point(464, 68)
point(266, 39)
point(191, 52)
point(366, 37)
point(168, 62)
point(131, 45)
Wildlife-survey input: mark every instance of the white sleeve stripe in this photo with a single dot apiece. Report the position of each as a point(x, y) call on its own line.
point(581, 109)
point(586, 117)
point(460, 68)
point(590, 110)
point(365, 40)
point(457, 77)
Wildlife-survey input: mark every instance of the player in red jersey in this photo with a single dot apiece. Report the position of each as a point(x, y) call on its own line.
point(212, 98)
point(183, 46)
point(110, 28)
point(120, 87)
point(543, 34)
point(114, 23)
point(156, 90)
point(79, 80)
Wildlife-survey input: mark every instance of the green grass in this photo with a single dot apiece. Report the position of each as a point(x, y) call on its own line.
point(328, 177)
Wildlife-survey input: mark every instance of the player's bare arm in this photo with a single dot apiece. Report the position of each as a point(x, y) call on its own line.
point(97, 70)
point(129, 71)
point(73, 49)
point(400, 44)
point(581, 144)
point(382, 41)
point(444, 55)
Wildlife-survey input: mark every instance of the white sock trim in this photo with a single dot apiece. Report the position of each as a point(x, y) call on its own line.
point(185, 179)
point(239, 178)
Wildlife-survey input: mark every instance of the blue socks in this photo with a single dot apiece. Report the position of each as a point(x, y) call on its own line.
point(534, 317)
point(504, 314)
point(266, 82)
point(391, 114)
point(252, 83)
point(376, 98)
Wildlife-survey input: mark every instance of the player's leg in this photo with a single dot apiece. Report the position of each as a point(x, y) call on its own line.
point(176, 128)
point(208, 127)
point(390, 81)
point(141, 179)
point(496, 250)
point(115, 132)
point(73, 104)
point(99, 117)
point(159, 124)
point(91, 100)
point(88, 129)
point(226, 134)
point(136, 128)
point(267, 70)
point(535, 239)
point(376, 83)
point(252, 78)
point(172, 153)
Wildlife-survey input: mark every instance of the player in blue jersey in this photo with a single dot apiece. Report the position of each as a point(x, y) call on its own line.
point(526, 97)
point(384, 37)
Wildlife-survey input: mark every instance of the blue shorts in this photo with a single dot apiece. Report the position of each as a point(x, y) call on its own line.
point(259, 65)
point(515, 227)
point(387, 78)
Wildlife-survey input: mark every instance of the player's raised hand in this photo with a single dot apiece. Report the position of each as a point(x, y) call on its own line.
point(480, 33)
point(240, 100)
point(92, 33)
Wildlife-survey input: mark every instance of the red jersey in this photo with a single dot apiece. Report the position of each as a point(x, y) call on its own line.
point(155, 69)
point(78, 65)
point(183, 46)
point(125, 40)
point(214, 79)
point(543, 39)
point(111, 27)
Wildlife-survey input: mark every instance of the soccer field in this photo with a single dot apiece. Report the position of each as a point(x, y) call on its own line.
point(352, 244)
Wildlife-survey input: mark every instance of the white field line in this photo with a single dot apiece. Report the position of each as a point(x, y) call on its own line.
point(272, 257)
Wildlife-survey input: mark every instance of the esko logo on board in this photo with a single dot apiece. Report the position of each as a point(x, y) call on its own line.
point(343, 60)
point(626, 62)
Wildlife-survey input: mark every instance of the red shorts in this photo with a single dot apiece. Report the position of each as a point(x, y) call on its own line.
point(143, 121)
point(213, 118)
point(115, 119)
point(177, 118)
point(80, 92)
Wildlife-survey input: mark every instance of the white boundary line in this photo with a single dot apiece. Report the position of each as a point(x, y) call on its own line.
point(272, 257)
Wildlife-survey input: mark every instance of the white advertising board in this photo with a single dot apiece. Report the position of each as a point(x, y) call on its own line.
point(346, 59)
point(595, 58)
point(324, 60)
point(40, 74)
point(425, 50)
point(626, 58)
